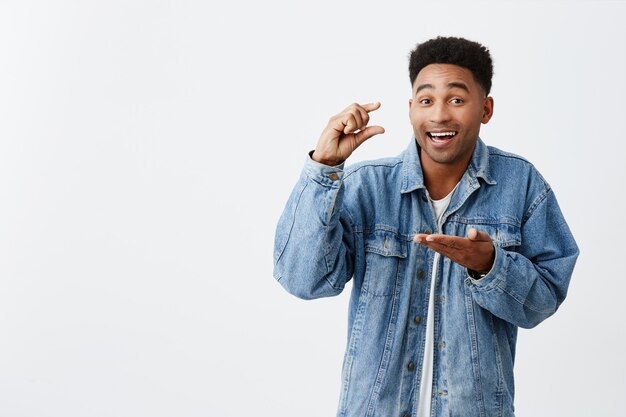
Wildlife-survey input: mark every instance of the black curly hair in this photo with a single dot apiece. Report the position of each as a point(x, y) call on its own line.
point(456, 51)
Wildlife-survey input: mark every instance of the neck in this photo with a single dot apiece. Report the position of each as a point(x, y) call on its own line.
point(440, 179)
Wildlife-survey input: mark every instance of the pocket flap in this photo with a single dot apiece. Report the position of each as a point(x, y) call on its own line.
point(503, 234)
point(386, 243)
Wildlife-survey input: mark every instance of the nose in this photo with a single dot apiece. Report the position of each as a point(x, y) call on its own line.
point(439, 113)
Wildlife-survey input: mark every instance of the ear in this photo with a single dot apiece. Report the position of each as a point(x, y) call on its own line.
point(487, 110)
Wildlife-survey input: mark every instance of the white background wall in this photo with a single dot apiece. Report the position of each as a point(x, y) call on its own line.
point(147, 149)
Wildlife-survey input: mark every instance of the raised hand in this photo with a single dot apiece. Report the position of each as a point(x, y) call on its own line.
point(345, 132)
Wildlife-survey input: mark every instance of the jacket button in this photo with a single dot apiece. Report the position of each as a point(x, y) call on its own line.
point(421, 274)
point(333, 176)
point(411, 366)
point(417, 319)
point(427, 232)
point(406, 415)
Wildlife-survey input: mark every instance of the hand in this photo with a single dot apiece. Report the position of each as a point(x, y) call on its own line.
point(344, 133)
point(476, 252)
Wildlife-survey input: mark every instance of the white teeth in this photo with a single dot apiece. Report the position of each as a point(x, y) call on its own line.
point(441, 134)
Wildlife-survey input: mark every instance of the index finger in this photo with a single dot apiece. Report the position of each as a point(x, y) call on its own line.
point(447, 240)
point(371, 106)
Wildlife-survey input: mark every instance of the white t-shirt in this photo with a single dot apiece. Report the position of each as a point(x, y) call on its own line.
point(426, 386)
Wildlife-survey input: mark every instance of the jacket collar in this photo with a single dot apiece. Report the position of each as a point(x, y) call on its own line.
point(413, 177)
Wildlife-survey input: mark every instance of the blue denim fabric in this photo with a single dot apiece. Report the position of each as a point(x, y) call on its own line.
point(359, 223)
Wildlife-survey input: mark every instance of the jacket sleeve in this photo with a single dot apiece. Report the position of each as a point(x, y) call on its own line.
point(527, 286)
point(314, 243)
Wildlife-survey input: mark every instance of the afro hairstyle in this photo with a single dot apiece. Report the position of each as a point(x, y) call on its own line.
point(456, 51)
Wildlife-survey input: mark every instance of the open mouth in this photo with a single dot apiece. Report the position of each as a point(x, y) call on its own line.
point(441, 137)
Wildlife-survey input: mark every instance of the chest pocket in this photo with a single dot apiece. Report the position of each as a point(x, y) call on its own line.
point(384, 255)
point(505, 233)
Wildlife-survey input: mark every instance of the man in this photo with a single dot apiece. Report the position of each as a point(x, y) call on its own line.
point(451, 247)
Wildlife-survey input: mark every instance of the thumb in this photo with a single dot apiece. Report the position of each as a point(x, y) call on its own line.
point(478, 236)
point(367, 133)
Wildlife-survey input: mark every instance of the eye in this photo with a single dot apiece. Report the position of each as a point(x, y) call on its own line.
point(425, 101)
point(456, 101)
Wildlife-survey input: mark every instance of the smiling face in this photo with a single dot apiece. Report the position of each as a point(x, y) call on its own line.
point(446, 111)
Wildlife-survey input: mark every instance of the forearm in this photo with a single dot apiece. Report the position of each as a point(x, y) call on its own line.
point(314, 244)
point(527, 286)
point(520, 292)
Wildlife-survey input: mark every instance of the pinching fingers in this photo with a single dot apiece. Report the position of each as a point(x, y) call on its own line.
point(351, 123)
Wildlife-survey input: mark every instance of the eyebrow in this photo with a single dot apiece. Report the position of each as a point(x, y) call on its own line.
point(450, 86)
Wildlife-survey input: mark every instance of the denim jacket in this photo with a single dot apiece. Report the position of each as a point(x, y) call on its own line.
point(359, 223)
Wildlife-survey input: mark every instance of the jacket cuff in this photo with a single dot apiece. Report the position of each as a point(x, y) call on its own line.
point(492, 278)
point(330, 176)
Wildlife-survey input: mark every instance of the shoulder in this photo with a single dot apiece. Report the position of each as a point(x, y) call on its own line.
point(374, 167)
point(503, 163)
point(506, 157)
point(519, 182)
